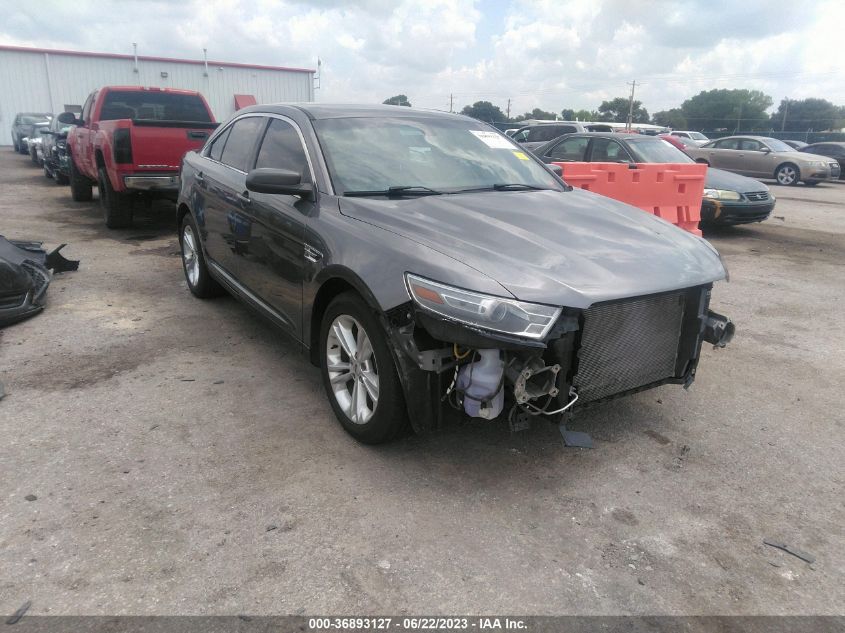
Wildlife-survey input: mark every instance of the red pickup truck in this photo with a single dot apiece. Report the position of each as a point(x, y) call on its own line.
point(130, 142)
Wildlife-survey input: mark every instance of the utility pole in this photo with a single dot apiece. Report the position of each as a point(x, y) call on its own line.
point(633, 85)
point(785, 112)
point(739, 119)
point(509, 110)
point(451, 101)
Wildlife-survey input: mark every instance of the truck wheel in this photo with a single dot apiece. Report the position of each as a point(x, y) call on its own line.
point(200, 282)
point(80, 186)
point(117, 207)
point(358, 372)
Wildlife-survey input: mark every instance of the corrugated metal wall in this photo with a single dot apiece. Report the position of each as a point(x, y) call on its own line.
point(46, 82)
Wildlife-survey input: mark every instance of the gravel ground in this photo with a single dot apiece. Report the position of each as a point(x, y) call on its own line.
point(185, 459)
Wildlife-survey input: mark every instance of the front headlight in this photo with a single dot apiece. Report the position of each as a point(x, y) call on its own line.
point(817, 163)
point(721, 194)
point(498, 314)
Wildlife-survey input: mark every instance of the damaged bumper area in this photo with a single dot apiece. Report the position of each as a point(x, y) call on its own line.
point(25, 274)
point(585, 357)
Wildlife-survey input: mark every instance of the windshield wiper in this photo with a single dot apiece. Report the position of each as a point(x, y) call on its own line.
point(509, 186)
point(404, 190)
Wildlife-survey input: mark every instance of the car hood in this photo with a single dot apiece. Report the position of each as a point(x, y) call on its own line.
point(796, 155)
point(570, 248)
point(720, 179)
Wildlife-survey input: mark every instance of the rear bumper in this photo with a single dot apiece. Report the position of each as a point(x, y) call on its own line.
point(168, 183)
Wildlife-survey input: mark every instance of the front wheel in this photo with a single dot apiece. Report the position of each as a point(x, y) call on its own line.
point(788, 175)
point(358, 372)
point(80, 187)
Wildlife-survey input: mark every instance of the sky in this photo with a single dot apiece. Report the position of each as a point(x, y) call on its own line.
point(551, 54)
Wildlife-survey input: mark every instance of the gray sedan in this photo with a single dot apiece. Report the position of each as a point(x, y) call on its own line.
point(426, 261)
point(764, 157)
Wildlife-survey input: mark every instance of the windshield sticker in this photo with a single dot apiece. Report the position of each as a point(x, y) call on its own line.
point(491, 139)
point(520, 155)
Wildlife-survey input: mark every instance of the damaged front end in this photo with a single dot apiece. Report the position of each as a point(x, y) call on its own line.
point(25, 274)
point(562, 359)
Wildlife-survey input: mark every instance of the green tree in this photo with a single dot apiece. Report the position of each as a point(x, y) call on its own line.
point(484, 111)
point(537, 113)
point(617, 110)
point(721, 109)
point(673, 118)
point(807, 114)
point(400, 100)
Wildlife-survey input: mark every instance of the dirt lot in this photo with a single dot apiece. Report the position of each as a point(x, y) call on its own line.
point(186, 461)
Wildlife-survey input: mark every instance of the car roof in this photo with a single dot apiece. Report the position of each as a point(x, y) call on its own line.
point(317, 111)
point(825, 143)
point(614, 135)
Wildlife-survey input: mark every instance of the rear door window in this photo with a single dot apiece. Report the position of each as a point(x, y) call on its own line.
point(240, 146)
point(570, 150)
point(282, 149)
point(728, 143)
point(750, 145)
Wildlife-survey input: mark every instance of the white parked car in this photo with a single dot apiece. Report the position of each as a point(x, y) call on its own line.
point(697, 137)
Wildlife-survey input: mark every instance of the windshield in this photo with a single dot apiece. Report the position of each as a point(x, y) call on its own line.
point(698, 136)
point(655, 150)
point(441, 154)
point(777, 145)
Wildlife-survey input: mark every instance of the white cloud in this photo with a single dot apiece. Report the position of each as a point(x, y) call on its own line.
point(538, 53)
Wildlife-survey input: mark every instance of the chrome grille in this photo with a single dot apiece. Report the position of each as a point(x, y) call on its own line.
point(757, 196)
point(628, 344)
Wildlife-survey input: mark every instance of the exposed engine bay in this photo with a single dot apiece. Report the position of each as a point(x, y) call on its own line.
point(588, 356)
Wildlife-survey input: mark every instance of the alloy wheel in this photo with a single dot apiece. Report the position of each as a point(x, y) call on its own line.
point(190, 257)
point(352, 369)
point(787, 175)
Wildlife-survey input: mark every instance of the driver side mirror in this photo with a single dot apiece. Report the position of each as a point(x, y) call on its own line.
point(278, 181)
point(766, 150)
point(557, 170)
point(68, 118)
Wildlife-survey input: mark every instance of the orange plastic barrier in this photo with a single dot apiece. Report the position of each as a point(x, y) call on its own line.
point(668, 190)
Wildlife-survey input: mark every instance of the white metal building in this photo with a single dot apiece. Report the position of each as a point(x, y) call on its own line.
point(44, 80)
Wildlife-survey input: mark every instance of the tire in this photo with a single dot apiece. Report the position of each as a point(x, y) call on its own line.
point(33, 155)
point(47, 173)
point(788, 175)
point(381, 416)
point(200, 282)
point(15, 145)
point(60, 178)
point(80, 186)
point(117, 207)
point(22, 148)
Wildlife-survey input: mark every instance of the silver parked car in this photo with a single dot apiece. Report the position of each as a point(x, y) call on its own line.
point(764, 157)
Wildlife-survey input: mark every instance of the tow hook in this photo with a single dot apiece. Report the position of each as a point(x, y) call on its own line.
point(718, 329)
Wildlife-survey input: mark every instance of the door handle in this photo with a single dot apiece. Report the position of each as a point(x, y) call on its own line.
point(244, 197)
point(199, 177)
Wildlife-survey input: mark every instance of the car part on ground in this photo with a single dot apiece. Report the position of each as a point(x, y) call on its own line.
point(24, 276)
point(428, 263)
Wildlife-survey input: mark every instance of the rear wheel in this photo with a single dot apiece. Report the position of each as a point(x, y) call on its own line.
point(81, 189)
point(788, 175)
point(200, 281)
point(358, 372)
point(117, 207)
